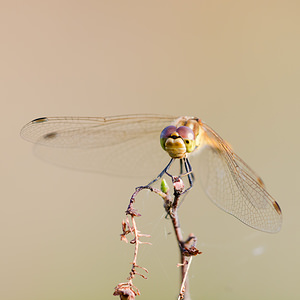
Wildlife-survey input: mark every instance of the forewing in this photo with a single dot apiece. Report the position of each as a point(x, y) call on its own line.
point(233, 186)
point(121, 145)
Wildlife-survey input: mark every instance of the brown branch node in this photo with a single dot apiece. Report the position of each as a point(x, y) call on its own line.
point(126, 291)
point(132, 211)
point(192, 251)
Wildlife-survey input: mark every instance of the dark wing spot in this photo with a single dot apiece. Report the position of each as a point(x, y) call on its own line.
point(40, 120)
point(50, 135)
point(277, 207)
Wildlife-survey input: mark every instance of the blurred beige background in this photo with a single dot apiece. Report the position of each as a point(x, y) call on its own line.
point(235, 64)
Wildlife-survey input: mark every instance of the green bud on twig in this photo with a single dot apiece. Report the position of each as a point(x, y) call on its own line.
point(164, 186)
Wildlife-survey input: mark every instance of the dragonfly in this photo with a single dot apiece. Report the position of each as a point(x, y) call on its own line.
point(129, 145)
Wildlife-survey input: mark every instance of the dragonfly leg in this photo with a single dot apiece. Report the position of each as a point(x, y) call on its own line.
point(189, 173)
point(164, 171)
point(181, 166)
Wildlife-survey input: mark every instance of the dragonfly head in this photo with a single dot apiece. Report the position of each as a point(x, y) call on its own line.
point(178, 141)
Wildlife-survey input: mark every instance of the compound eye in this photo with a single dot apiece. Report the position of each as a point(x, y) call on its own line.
point(165, 134)
point(188, 136)
point(186, 133)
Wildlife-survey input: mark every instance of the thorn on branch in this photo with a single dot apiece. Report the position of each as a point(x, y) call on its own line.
point(142, 268)
point(133, 272)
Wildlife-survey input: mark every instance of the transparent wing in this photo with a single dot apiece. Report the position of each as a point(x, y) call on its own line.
point(120, 145)
point(233, 186)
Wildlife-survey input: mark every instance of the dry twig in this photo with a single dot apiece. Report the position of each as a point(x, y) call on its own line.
point(187, 248)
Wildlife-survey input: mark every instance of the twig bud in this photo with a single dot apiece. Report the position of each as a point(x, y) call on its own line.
point(164, 186)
